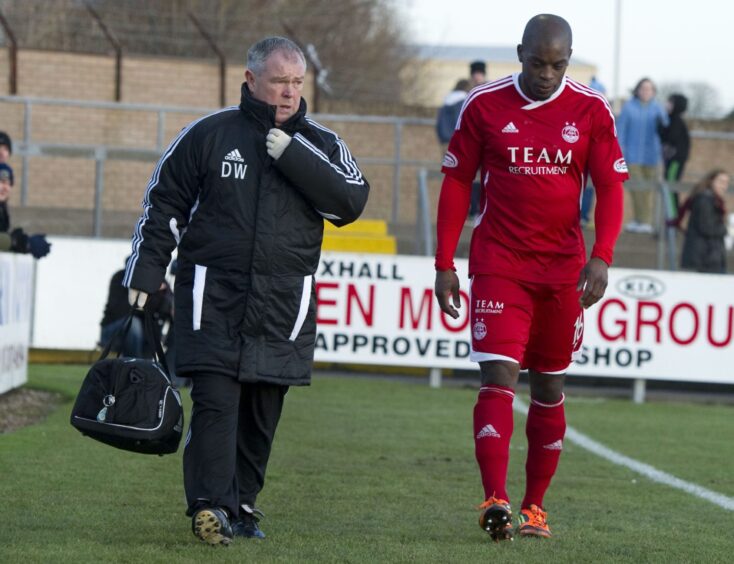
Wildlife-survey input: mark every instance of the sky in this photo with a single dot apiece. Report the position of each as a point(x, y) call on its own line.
point(666, 40)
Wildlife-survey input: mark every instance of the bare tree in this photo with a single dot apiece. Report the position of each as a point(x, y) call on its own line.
point(359, 45)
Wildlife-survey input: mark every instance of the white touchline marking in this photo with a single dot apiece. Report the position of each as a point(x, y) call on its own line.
point(640, 467)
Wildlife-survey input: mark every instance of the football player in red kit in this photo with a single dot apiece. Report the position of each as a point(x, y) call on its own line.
point(534, 136)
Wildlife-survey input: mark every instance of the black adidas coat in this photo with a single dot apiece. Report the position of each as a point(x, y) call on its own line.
point(249, 232)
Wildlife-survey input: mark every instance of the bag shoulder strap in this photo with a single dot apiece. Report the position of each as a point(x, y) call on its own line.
point(121, 333)
point(154, 341)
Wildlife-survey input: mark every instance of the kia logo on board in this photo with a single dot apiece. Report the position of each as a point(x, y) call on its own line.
point(640, 287)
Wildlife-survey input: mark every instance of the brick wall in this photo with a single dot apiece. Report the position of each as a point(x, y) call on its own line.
point(69, 182)
point(61, 182)
point(65, 75)
point(173, 82)
point(164, 81)
point(124, 184)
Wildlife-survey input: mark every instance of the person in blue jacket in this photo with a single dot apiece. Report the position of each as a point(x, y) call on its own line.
point(637, 131)
point(448, 113)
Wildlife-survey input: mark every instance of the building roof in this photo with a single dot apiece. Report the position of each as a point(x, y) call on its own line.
point(496, 53)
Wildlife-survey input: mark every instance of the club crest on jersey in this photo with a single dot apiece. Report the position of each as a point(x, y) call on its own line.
point(479, 330)
point(569, 133)
point(620, 165)
point(449, 160)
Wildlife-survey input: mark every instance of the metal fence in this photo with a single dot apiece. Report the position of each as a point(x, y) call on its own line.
point(664, 213)
point(28, 147)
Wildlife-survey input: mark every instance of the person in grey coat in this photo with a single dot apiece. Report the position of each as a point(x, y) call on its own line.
point(703, 249)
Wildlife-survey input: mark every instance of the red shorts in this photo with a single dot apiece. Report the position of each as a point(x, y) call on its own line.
point(539, 326)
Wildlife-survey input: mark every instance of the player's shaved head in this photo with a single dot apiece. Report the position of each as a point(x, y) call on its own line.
point(545, 29)
point(545, 52)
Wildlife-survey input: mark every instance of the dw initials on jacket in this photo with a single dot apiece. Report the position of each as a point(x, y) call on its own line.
point(249, 231)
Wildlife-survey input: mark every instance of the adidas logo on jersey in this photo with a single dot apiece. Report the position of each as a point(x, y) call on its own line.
point(234, 155)
point(488, 431)
point(510, 128)
point(558, 445)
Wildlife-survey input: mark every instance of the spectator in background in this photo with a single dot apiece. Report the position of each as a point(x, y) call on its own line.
point(6, 147)
point(16, 241)
point(595, 84)
point(448, 114)
point(676, 144)
point(477, 77)
point(587, 200)
point(477, 73)
point(637, 130)
point(117, 309)
point(703, 248)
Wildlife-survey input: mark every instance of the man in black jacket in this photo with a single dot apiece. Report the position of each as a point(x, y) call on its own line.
point(243, 192)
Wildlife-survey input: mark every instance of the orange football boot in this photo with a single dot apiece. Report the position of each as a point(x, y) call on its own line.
point(533, 523)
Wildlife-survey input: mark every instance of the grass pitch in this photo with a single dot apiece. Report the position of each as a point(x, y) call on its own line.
point(370, 470)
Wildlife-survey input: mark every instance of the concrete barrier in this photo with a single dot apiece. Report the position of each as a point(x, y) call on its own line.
point(16, 301)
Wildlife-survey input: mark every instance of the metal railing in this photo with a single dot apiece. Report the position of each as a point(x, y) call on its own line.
point(664, 212)
point(28, 147)
point(669, 213)
point(423, 224)
point(665, 233)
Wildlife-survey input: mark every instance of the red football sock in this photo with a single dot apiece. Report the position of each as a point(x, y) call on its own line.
point(492, 432)
point(545, 428)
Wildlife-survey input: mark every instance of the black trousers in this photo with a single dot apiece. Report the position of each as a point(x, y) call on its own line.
point(229, 441)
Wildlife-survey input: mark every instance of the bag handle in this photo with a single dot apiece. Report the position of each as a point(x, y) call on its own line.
point(154, 341)
point(121, 332)
point(150, 333)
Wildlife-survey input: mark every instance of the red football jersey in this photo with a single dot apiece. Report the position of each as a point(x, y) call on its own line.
point(534, 157)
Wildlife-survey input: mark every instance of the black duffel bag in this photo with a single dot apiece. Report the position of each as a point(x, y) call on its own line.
point(130, 403)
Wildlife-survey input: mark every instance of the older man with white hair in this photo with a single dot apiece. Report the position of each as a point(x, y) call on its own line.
point(243, 193)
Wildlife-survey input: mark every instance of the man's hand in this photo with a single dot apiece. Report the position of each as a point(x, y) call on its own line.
point(38, 246)
point(276, 142)
point(447, 292)
point(593, 281)
point(137, 298)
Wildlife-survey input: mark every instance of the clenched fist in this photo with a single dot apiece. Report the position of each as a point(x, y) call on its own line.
point(276, 142)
